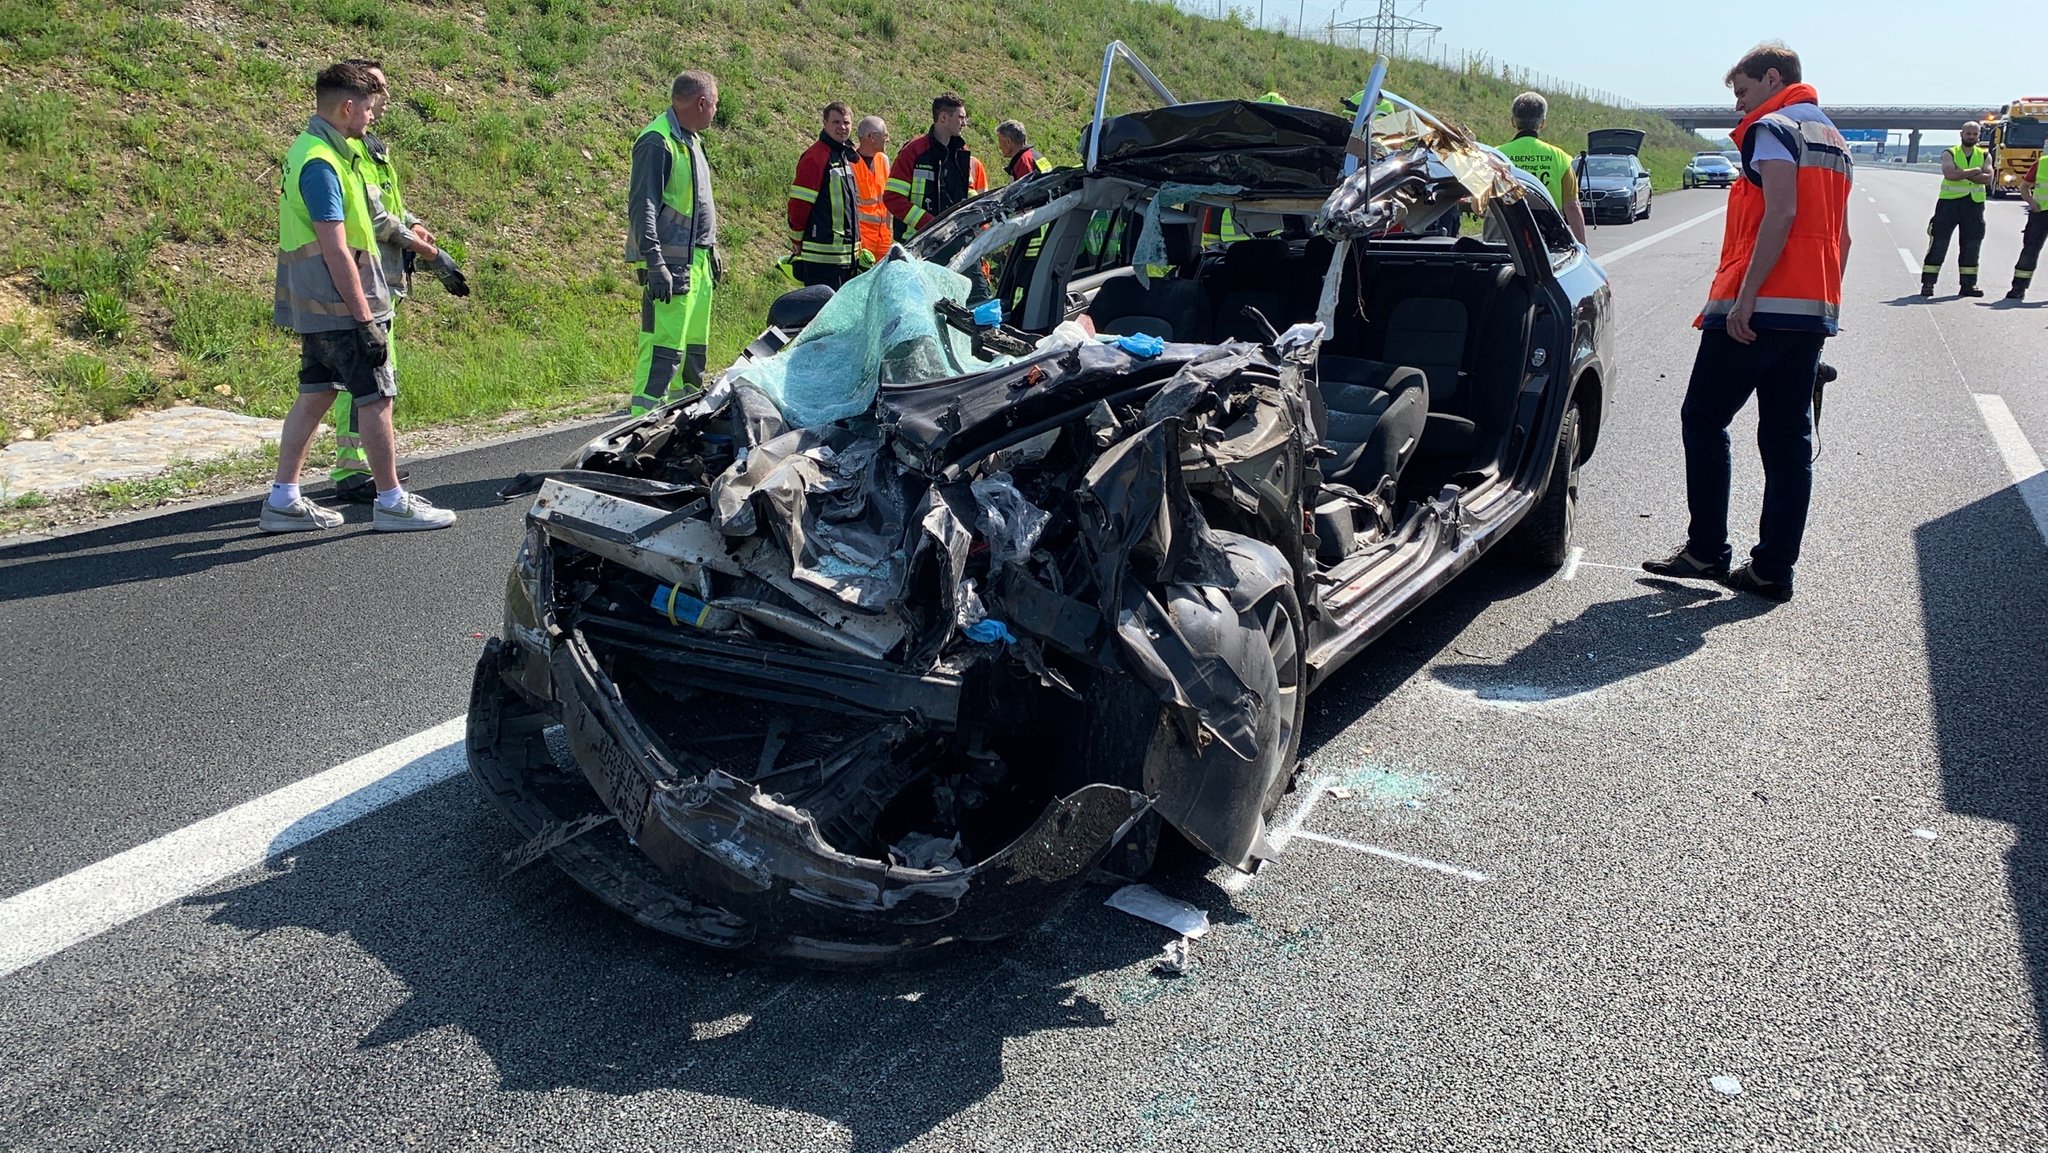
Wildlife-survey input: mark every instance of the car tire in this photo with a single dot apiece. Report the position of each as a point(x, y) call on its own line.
point(1647, 205)
point(1544, 538)
point(1124, 727)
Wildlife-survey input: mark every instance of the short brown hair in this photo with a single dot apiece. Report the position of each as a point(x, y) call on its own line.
point(836, 108)
point(946, 100)
point(348, 80)
point(690, 85)
point(1764, 57)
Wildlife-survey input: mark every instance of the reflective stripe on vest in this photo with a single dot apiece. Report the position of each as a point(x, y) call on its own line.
point(675, 225)
point(307, 299)
point(1546, 162)
point(877, 227)
point(1804, 290)
point(1970, 161)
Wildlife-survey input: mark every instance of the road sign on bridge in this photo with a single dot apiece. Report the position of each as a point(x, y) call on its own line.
point(1880, 118)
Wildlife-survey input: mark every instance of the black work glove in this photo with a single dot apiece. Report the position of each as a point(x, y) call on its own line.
point(717, 269)
point(450, 274)
point(660, 284)
point(374, 339)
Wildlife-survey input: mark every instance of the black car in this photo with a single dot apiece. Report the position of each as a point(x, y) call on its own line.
point(1614, 186)
point(919, 615)
point(1707, 170)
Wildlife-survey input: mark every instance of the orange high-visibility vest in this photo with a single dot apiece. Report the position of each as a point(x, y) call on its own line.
point(870, 180)
point(1803, 293)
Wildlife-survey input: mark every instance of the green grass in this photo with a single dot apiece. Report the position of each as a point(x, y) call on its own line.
point(139, 150)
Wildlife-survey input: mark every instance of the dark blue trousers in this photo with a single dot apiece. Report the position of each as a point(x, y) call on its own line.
point(1778, 369)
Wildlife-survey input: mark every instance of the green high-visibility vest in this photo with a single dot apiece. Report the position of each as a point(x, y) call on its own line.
point(307, 298)
point(385, 176)
point(1969, 161)
point(676, 223)
point(1546, 162)
point(2041, 187)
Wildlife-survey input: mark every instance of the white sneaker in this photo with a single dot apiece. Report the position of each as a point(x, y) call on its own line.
point(414, 513)
point(302, 516)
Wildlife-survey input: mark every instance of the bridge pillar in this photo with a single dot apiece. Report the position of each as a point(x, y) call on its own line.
point(1913, 147)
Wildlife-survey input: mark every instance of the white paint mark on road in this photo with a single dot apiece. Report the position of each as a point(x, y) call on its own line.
point(1883, 219)
point(1401, 858)
point(81, 905)
point(1647, 241)
point(2020, 458)
point(1571, 563)
point(1911, 262)
point(1277, 838)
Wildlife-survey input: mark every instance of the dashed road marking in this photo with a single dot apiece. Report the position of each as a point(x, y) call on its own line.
point(1883, 219)
point(1911, 262)
point(1400, 858)
point(1674, 230)
point(2020, 458)
point(80, 905)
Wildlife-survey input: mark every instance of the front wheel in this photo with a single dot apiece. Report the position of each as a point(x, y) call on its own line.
point(1544, 538)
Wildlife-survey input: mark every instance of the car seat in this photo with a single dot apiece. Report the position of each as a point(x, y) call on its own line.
point(1374, 420)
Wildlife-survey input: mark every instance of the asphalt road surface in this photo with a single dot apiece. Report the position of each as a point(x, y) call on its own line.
point(1604, 839)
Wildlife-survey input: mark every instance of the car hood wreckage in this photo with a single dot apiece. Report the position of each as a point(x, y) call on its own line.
point(914, 618)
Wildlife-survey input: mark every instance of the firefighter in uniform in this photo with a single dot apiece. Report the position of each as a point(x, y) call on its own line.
point(870, 183)
point(1965, 177)
point(1546, 162)
point(1775, 299)
point(402, 240)
point(824, 225)
point(935, 171)
point(2035, 192)
point(672, 236)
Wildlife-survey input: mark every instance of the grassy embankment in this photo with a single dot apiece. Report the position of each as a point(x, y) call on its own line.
point(139, 148)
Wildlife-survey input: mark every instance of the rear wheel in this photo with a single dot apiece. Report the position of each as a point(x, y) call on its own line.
point(1544, 538)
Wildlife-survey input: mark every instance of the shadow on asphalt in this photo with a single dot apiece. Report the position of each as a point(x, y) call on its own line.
point(1608, 642)
point(1983, 580)
point(563, 993)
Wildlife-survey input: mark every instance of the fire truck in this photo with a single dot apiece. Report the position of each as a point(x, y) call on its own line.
point(2015, 134)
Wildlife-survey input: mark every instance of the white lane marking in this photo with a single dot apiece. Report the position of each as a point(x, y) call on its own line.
point(78, 906)
point(1571, 563)
point(1911, 262)
point(1883, 219)
point(1647, 241)
point(1872, 199)
point(1391, 855)
point(1237, 883)
point(2020, 458)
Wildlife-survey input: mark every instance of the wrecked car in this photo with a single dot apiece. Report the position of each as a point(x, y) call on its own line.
point(1026, 547)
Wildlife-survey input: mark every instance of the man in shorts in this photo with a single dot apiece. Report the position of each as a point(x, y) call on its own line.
point(332, 291)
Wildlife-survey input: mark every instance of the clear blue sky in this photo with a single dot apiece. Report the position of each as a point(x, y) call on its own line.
point(1877, 51)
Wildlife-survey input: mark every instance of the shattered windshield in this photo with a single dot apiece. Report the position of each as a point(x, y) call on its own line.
point(883, 327)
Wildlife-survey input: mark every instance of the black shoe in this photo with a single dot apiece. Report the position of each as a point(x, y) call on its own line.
point(1745, 580)
point(2016, 294)
point(1973, 290)
point(361, 488)
point(1926, 288)
point(1685, 566)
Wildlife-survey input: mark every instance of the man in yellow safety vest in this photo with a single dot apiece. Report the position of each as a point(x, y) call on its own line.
point(1965, 177)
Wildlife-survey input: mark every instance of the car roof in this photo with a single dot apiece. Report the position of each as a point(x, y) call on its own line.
point(1266, 146)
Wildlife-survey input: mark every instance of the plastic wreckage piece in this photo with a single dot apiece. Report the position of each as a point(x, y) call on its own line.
point(1148, 903)
point(1009, 523)
point(615, 529)
point(879, 328)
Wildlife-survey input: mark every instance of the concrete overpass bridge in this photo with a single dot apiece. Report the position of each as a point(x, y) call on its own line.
point(1910, 118)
